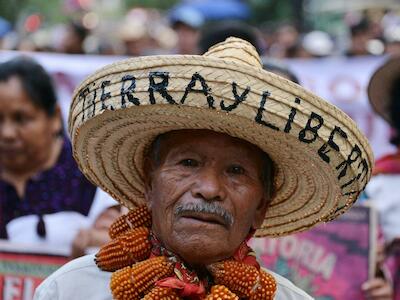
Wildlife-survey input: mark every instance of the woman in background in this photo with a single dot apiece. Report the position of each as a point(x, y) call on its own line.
point(383, 189)
point(44, 198)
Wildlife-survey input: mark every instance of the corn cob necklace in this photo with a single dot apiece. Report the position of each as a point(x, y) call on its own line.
point(143, 269)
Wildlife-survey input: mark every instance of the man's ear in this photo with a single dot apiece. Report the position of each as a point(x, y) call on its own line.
point(260, 212)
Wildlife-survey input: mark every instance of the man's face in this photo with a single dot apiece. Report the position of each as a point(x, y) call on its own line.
point(205, 194)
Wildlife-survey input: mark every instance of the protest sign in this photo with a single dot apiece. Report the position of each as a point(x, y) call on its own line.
point(330, 261)
point(23, 268)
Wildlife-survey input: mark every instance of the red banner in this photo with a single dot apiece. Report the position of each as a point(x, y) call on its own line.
point(21, 273)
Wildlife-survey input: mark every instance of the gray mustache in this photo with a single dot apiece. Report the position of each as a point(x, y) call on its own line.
point(206, 207)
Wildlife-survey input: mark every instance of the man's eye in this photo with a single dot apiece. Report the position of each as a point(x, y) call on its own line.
point(188, 162)
point(236, 169)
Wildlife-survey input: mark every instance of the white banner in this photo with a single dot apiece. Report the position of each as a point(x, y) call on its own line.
point(340, 80)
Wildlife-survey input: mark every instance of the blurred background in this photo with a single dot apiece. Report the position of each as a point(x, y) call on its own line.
point(286, 28)
point(330, 47)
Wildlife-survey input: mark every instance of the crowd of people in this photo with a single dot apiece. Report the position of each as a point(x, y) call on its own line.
point(144, 31)
point(41, 186)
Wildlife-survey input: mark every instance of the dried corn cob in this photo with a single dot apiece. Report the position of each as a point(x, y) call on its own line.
point(246, 281)
point(219, 292)
point(125, 250)
point(162, 293)
point(265, 289)
point(132, 283)
point(135, 218)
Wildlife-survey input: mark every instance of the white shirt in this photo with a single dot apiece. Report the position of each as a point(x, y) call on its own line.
point(81, 279)
point(383, 191)
point(61, 227)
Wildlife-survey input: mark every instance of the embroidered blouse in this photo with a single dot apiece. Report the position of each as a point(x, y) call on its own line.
point(61, 188)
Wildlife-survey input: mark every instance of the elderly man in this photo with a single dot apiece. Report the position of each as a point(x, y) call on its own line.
point(206, 151)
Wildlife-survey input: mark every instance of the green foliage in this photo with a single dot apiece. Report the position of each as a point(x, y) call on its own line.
point(14, 10)
point(161, 4)
point(269, 11)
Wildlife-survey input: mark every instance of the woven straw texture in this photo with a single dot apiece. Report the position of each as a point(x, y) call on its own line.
point(322, 160)
point(381, 85)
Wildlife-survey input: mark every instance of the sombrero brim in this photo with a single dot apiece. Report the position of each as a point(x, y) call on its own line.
point(322, 159)
point(380, 85)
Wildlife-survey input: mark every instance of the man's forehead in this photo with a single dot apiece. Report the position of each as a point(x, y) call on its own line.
point(205, 141)
point(193, 136)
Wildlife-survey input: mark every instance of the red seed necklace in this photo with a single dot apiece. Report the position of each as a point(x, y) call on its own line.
point(143, 269)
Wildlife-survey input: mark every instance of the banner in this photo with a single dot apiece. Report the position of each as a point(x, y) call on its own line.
point(330, 261)
point(23, 268)
point(340, 80)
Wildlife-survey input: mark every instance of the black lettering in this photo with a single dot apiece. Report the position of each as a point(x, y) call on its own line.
point(160, 87)
point(128, 91)
point(349, 161)
point(260, 111)
point(93, 102)
point(351, 193)
point(104, 96)
point(323, 151)
point(238, 99)
point(292, 114)
point(312, 129)
point(82, 95)
point(205, 90)
point(349, 182)
point(364, 171)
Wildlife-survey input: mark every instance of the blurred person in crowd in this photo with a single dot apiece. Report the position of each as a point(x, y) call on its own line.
point(5, 28)
point(314, 44)
point(360, 34)
point(186, 22)
point(73, 38)
point(217, 32)
point(144, 32)
point(391, 37)
point(134, 35)
point(286, 37)
point(44, 198)
point(384, 96)
point(38, 41)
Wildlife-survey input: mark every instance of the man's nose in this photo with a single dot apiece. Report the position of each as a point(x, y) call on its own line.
point(209, 185)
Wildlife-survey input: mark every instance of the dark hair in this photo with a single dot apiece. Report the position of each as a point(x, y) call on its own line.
point(34, 79)
point(395, 110)
point(215, 33)
point(361, 26)
point(280, 69)
point(267, 171)
point(79, 29)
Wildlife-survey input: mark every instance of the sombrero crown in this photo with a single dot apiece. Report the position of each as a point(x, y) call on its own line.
point(323, 161)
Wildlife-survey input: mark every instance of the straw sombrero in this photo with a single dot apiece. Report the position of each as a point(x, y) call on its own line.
point(323, 161)
point(380, 87)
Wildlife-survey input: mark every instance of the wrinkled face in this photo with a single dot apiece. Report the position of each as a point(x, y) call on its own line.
point(205, 194)
point(26, 131)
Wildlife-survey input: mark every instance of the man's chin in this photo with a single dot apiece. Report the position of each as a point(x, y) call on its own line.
point(201, 248)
